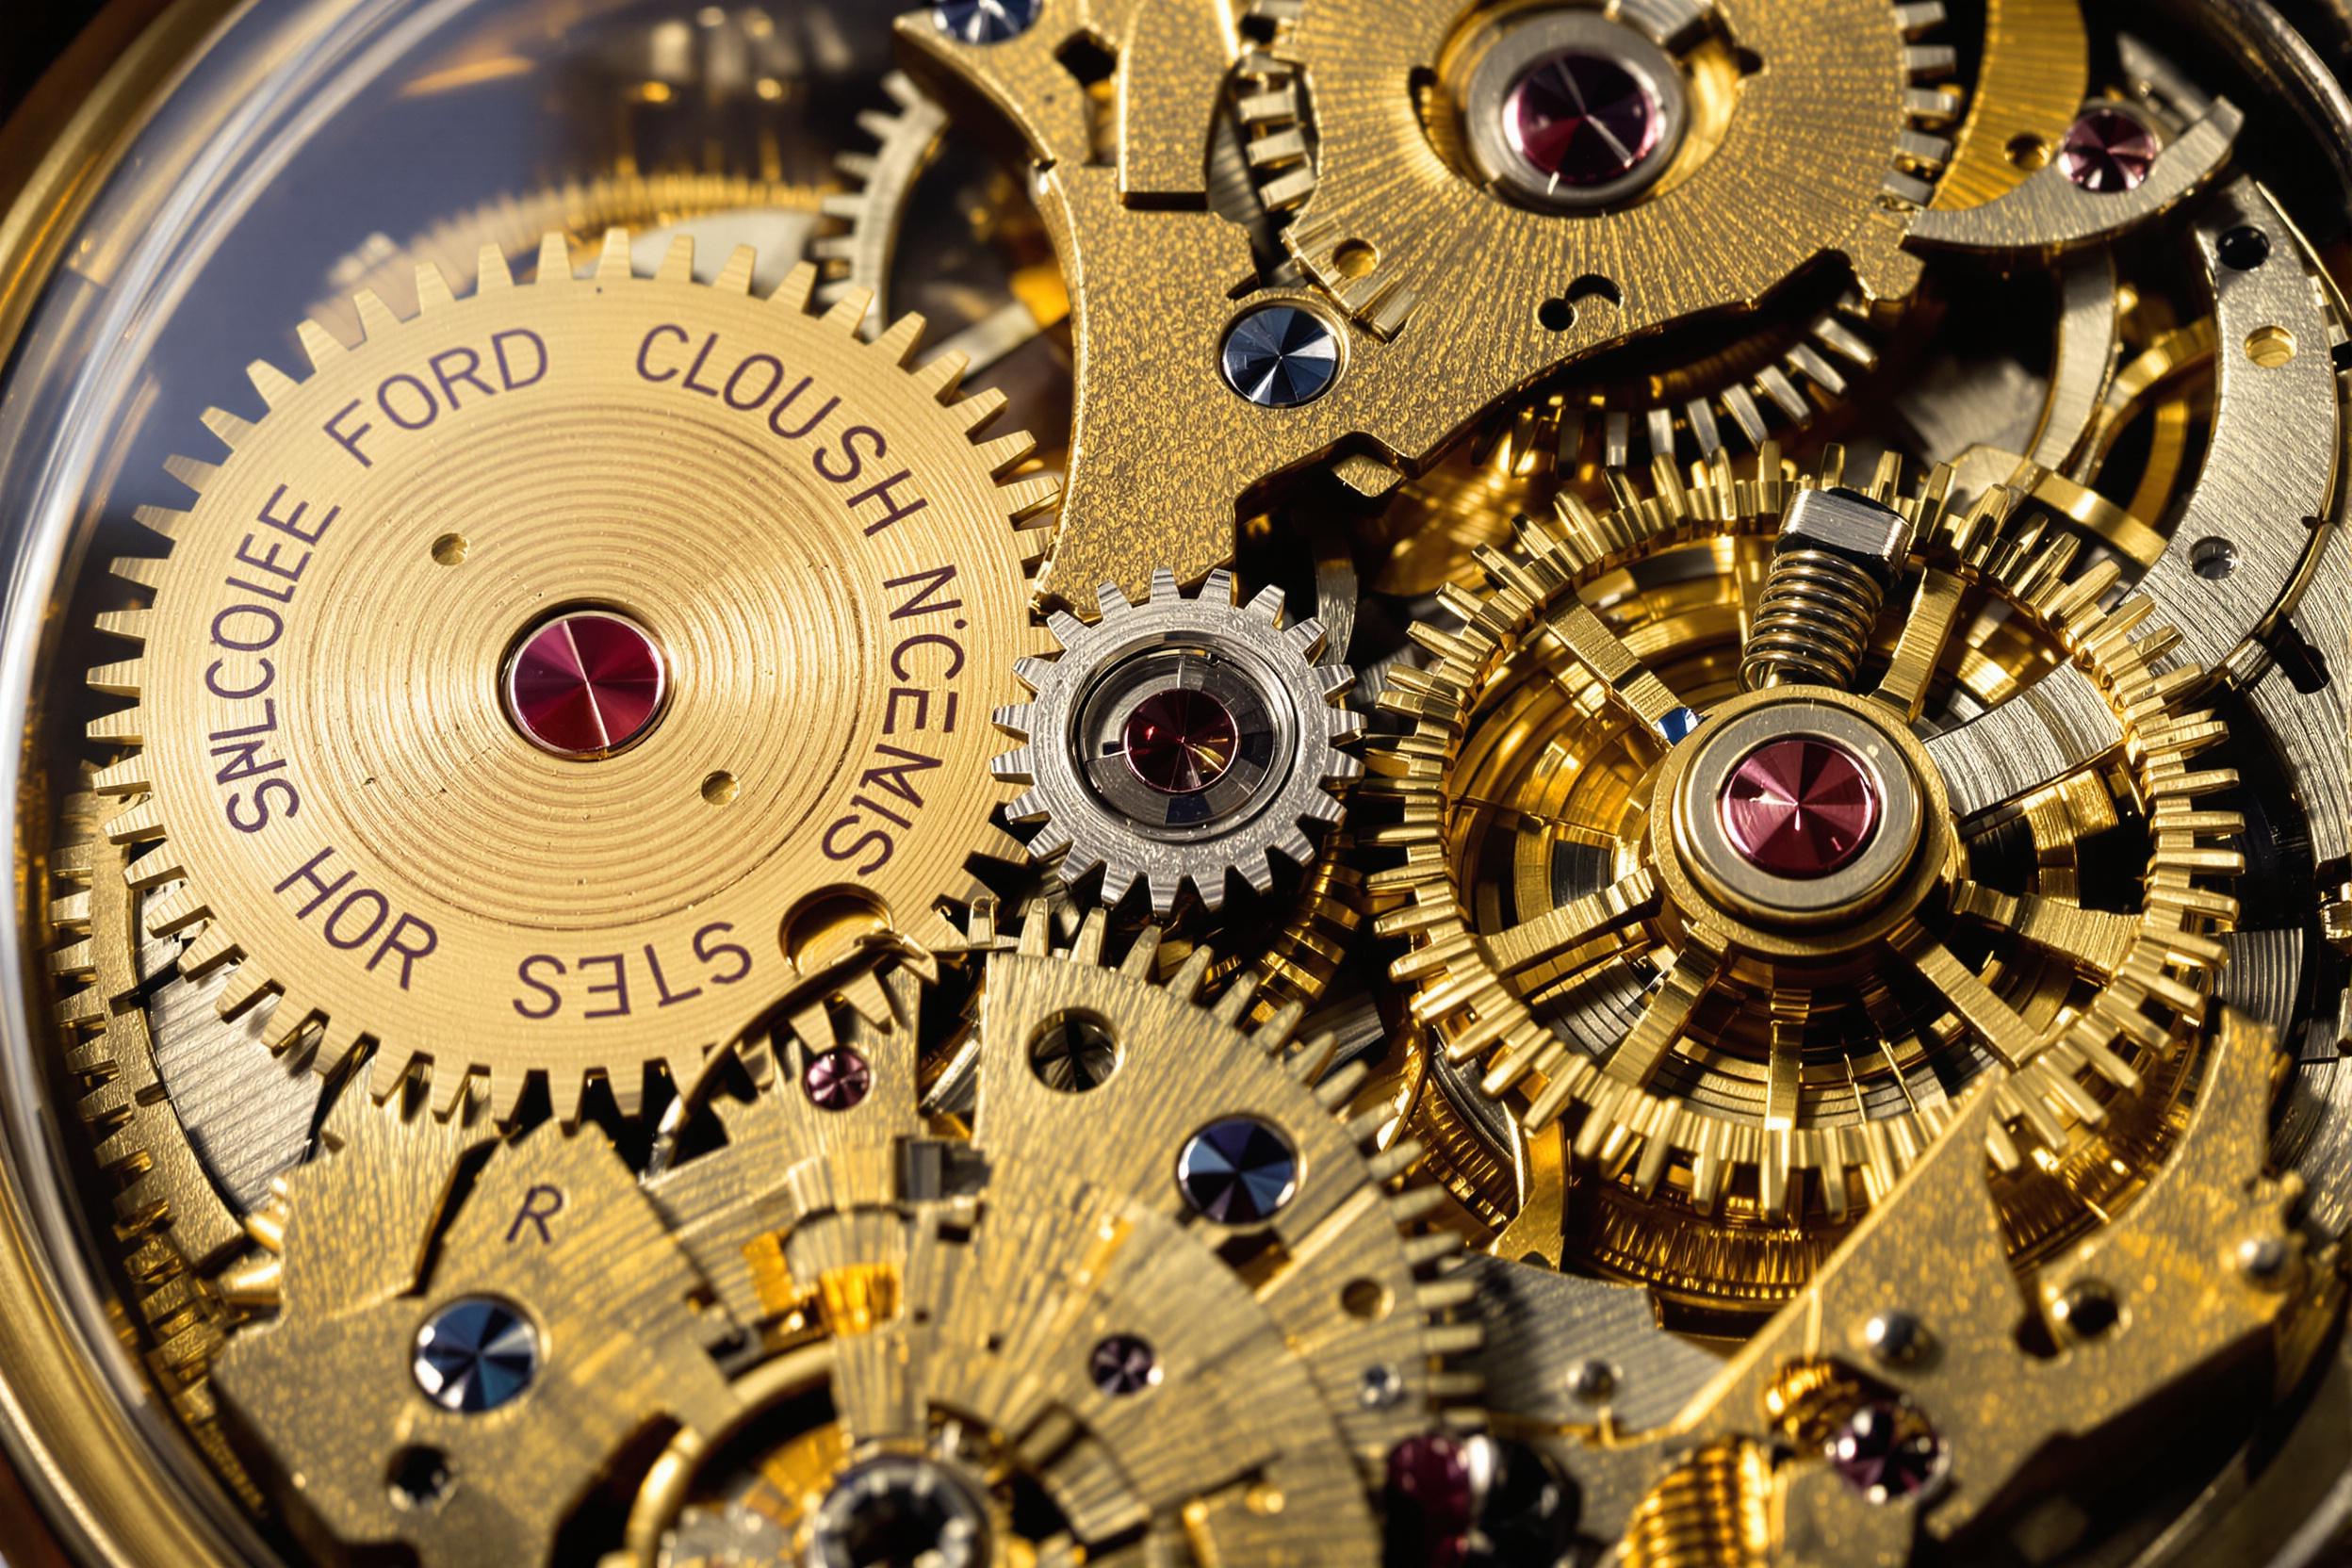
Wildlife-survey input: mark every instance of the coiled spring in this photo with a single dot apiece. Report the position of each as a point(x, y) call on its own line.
point(1813, 623)
point(1712, 1510)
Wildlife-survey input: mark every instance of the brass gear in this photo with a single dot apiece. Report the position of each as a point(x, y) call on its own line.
point(1723, 1178)
point(320, 726)
point(1832, 126)
point(940, 1298)
point(580, 209)
point(1295, 1350)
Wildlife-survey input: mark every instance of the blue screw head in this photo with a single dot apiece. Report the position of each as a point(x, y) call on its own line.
point(1237, 1171)
point(1281, 355)
point(985, 20)
point(476, 1355)
point(1677, 725)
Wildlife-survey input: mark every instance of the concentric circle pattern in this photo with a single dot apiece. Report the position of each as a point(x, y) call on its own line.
point(804, 530)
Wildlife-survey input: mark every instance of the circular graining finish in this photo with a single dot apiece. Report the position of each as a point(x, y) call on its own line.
point(338, 763)
point(476, 1355)
point(1582, 118)
point(2107, 152)
point(1733, 856)
point(1803, 807)
point(1569, 110)
point(899, 1509)
point(1181, 741)
point(586, 684)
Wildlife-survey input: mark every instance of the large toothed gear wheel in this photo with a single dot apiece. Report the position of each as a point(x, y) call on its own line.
point(1742, 894)
point(543, 685)
point(1169, 1291)
point(1178, 740)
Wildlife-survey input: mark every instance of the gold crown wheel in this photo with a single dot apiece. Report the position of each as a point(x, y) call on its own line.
point(1732, 1043)
point(543, 684)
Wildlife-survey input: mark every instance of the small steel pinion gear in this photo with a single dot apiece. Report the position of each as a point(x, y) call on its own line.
point(1180, 739)
point(1743, 892)
point(545, 682)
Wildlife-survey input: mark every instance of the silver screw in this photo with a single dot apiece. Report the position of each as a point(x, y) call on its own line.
point(1381, 1388)
point(1591, 1382)
point(1897, 1338)
point(2263, 1259)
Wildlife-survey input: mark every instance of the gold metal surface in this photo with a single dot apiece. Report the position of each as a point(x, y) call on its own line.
point(319, 721)
point(2174, 1266)
point(1531, 737)
point(1163, 450)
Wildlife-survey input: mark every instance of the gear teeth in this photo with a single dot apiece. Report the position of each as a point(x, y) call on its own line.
point(1030, 501)
point(847, 313)
point(1003, 453)
point(1249, 846)
point(139, 571)
point(230, 428)
point(677, 258)
point(735, 277)
point(554, 266)
point(432, 289)
point(126, 778)
point(614, 264)
point(273, 384)
point(124, 728)
point(793, 292)
point(981, 408)
point(129, 625)
point(160, 521)
point(245, 989)
point(121, 679)
point(318, 346)
point(376, 318)
point(192, 472)
point(942, 373)
point(1164, 889)
point(898, 343)
point(176, 908)
point(1143, 955)
point(491, 274)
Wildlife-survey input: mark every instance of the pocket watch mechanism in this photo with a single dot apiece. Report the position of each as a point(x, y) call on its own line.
point(1625, 840)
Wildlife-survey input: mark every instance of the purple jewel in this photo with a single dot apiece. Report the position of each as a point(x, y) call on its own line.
point(2107, 152)
point(1582, 118)
point(1237, 1171)
point(1883, 1456)
point(837, 1079)
point(1432, 1504)
point(1123, 1364)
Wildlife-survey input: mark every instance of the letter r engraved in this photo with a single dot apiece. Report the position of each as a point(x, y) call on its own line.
point(539, 1204)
